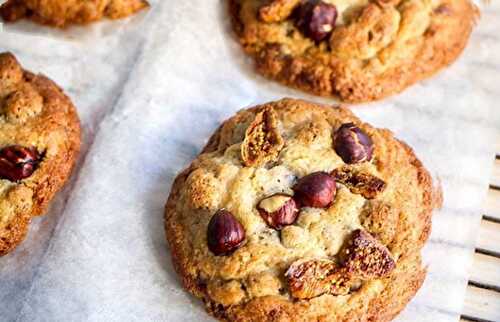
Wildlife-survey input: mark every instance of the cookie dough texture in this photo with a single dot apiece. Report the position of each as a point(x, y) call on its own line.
point(34, 112)
point(378, 47)
point(250, 284)
point(60, 13)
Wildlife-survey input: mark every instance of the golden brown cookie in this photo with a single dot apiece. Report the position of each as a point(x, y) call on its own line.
point(358, 50)
point(60, 13)
point(39, 142)
point(323, 221)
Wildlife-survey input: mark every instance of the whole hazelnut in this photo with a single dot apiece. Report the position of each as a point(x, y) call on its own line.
point(352, 144)
point(225, 233)
point(278, 210)
point(18, 162)
point(316, 19)
point(315, 190)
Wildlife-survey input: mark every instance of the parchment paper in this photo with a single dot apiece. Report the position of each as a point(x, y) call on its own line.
point(150, 97)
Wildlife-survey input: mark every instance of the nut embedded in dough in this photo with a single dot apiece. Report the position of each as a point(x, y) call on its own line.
point(224, 233)
point(315, 190)
point(18, 162)
point(352, 144)
point(278, 210)
point(316, 19)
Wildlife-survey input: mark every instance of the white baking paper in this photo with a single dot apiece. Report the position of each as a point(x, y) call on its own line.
point(150, 98)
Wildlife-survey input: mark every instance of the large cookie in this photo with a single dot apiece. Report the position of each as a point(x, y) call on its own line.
point(60, 13)
point(39, 142)
point(359, 50)
point(300, 212)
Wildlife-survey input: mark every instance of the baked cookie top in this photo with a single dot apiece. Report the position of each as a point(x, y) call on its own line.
point(60, 13)
point(300, 212)
point(39, 142)
point(358, 50)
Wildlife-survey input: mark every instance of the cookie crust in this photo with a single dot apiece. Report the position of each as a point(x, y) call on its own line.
point(35, 112)
point(377, 49)
point(61, 13)
point(242, 287)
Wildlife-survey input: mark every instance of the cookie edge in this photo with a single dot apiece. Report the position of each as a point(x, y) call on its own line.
point(376, 311)
point(357, 90)
point(19, 226)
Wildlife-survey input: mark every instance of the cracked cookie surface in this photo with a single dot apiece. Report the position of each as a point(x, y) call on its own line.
point(39, 142)
point(347, 252)
point(369, 49)
point(60, 13)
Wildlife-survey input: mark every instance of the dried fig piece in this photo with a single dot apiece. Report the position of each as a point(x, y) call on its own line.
point(361, 183)
point(373, 30)
point(277, 10)
point(262, 142)
point(365, 257)
point(308, 279)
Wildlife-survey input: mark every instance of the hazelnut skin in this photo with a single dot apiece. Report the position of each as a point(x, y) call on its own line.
point(316, 190)
point(316, 19)
point(278, 210)
point(225, 233)
point(18, 162)
point(352, 144)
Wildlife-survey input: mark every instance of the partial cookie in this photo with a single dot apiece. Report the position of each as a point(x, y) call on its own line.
point(358, 50)
point(39, 142)
point(60, 13)
point(300, 212)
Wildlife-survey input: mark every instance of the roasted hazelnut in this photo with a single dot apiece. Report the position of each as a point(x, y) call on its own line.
point(315, 190)
point(225, 233)
point(278, 210)
point(18, 162)
point(352, 144)
point(316, 19)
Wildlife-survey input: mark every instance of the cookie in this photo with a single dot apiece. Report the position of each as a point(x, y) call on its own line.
point(60, 13)
point(357, 50)
point(39, 142)
point(300, 212)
